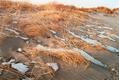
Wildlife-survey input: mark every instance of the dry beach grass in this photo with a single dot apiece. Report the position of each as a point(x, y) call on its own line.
point(58, 42)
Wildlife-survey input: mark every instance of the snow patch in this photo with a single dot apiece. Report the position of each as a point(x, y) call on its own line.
point(115, 36)
point(108, 28)
point(60, 38)
point(11, 30)
point(53, 32)
point(7, 63)
point(90, 58)
point(20, 67)
point(100, 27)
point(108, 37)
point(19, 50)
point(101, 32)
point(54, 66)
point(74, 50)
point(88, 40)
point(112, 49)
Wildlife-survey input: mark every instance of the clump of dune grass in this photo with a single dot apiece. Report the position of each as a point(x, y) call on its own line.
point(13, 6)
point(66, 55)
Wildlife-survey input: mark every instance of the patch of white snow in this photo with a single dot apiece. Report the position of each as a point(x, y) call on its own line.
point(88, 40)
point(20, 67)
point(112, 49)
point(90, 58)
point(53, 32)
point(19, 50)
point(7, 63)
point(115, 36)
point(54, 66)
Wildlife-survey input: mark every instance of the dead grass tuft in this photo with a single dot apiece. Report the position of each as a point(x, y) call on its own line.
point(35, 30)
point(98, 10)
point(13, 6)
point(68, 56)
point(71, 58)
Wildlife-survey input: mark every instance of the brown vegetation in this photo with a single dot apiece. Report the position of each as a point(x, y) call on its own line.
point(98, 10)
point(15, 6)
point(47, 25)
point(34, 30)
point(116, 10)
